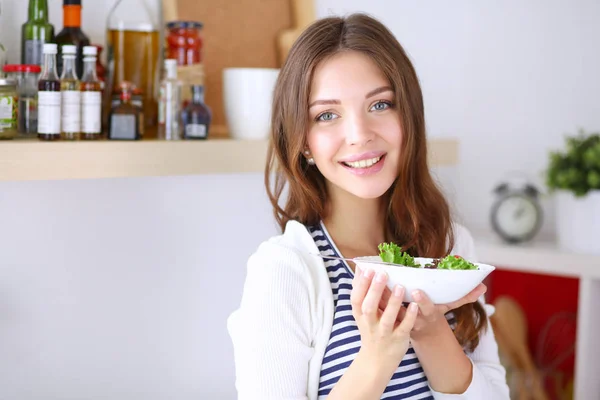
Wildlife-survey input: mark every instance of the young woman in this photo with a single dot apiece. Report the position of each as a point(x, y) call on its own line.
point(348, 144)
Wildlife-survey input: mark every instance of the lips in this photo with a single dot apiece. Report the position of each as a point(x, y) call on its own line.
point(363, 163)
point(365, 167)
point(363, 156)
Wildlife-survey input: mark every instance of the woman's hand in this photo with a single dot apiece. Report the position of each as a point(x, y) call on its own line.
point(430, 315)
point(384, 336)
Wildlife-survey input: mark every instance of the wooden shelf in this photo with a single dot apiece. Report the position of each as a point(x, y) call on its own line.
point(26, 160)
point(541, 256)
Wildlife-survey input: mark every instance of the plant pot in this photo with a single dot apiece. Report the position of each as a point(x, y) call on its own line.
point(578, 222)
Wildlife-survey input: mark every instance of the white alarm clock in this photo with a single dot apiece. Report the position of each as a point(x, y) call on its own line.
point(516, 214)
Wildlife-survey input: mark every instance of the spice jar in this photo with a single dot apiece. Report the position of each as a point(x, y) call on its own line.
point(8, 109)
point(27, 77)
point(184, 42)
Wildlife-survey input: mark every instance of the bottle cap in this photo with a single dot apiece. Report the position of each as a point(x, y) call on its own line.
point(90, 51)
point(169, 62)
point(50, 48)
point(71, 2)
point(69, 49)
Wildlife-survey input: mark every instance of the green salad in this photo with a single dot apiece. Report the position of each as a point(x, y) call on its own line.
point(392, 253)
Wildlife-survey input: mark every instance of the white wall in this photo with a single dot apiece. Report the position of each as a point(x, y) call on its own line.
point(120, 289)
point(114, 288)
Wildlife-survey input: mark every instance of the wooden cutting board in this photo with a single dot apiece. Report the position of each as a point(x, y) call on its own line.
point(241, 33)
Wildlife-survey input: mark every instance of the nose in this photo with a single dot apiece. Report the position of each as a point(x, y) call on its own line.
point(358, 130)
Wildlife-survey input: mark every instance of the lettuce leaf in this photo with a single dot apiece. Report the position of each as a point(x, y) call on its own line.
point(392, 253)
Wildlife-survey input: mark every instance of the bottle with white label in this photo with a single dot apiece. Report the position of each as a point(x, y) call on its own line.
point(196, 116)
point(71, 95)
point(91, 97)
point(49, 99)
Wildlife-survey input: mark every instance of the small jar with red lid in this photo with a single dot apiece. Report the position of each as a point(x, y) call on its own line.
point(27, 77)
point(184, 42)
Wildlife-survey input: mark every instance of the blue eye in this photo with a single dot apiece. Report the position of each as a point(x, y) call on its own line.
point(326, 116)
point(381, 105)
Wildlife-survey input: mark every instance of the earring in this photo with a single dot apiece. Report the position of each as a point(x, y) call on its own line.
point(311, 161)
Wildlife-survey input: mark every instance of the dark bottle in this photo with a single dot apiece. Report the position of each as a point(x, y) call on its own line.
point(125, 120)
point(49, 97)
point(35, 33)
point(72, 34)
point(196, 116)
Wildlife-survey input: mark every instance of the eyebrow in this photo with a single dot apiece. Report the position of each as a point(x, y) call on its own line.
point(372, 93)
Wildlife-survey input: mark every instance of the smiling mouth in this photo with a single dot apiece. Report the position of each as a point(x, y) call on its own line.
point(363, 163)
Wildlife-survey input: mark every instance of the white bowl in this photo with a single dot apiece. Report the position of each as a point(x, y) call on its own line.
point(441, 285)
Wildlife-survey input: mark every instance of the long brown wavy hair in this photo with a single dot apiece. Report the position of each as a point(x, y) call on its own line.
point(418, 216)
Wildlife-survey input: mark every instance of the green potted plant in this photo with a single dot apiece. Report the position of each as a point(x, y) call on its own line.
point(573, 175)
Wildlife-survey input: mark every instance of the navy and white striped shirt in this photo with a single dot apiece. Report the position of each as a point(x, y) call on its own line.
point(409, 380)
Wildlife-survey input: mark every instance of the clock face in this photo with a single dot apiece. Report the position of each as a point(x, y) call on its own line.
point(516, 217)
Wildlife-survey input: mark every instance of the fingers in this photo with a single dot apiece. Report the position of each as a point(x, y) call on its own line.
point(425, 304)
point(471, 297)
point(370, 305)
point(385, 297)
point(360, 287)
point(408, 322)
point(390, 313)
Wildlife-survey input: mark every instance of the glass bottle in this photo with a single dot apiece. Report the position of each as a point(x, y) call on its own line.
point(91, 97)
point(49, 98)
point(35, 33)
point(134, 46)
point(72, 34)
point(71, 95)
point(125, 119)
point(169, 103)
point(196, 116)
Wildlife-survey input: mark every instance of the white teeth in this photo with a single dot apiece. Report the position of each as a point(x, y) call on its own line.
point(363, 163)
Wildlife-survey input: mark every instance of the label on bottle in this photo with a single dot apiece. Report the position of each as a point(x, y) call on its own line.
point(91, 111)
point(33, 51)
point(71, 111)
point(123, 126)
point(8, 112)
point(49, 112)
point(195, 131)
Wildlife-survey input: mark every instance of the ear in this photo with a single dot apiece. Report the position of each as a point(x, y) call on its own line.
point(532, 191)
point(501, 189)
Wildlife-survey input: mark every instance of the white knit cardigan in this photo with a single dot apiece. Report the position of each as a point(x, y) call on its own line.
point(282, 326)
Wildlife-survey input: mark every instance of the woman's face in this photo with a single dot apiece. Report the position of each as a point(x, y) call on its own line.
point(354, 131)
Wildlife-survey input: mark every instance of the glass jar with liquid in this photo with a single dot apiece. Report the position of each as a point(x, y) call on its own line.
point(134, 46)
point(27, 77)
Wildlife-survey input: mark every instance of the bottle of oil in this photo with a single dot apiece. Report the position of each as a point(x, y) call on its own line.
point(134, 46)
point(49, 98)
point(71, 95)
point(91, 97)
